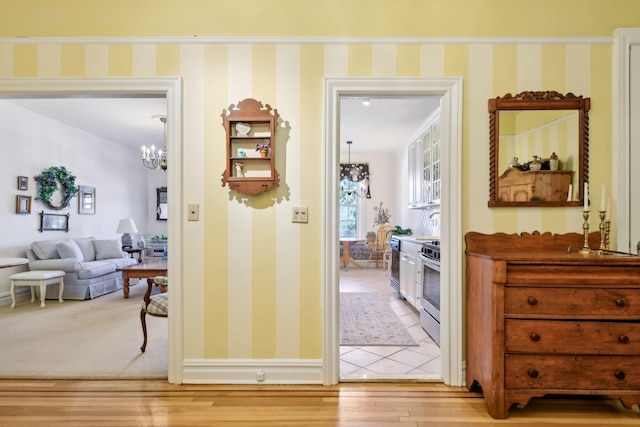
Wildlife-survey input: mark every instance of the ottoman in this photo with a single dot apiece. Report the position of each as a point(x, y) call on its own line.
point(40, 278)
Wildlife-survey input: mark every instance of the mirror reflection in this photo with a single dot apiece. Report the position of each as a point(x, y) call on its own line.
point(525, 135)
point(539, 154)
point(161, 205)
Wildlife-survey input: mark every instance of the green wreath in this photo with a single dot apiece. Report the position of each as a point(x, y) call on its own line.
point(48, 184)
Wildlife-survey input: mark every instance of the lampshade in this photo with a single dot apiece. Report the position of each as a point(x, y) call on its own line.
point(127, 225)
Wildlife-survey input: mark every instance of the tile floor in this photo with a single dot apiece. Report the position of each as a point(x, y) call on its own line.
point(380, 363)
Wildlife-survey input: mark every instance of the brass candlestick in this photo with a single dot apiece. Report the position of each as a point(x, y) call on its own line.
point(603, 236)
point(585, 230)
point(607, 230)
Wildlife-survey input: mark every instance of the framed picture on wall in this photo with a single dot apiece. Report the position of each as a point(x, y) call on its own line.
point(86, 200)
point(23, 183)
point(58, 222)
point(23, 204)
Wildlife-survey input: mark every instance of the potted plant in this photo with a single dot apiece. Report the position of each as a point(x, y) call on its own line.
point(263, 149)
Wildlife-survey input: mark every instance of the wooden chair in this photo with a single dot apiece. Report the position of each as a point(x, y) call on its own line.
point(378, 248)
point(154, 305)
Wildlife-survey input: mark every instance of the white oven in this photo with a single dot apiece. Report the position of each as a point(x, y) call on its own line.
point(430, 298)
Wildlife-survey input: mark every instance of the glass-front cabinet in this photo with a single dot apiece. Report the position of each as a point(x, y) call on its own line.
point(425, 174)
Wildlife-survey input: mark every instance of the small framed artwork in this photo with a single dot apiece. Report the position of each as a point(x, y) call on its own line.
point(23, 183)
point(86, 200)
point(23, 204)
point(58, 222)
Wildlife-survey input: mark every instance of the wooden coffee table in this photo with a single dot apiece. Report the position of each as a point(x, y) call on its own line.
point(143, 270)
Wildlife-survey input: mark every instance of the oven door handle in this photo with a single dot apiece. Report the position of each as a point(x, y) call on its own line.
point(434, 265)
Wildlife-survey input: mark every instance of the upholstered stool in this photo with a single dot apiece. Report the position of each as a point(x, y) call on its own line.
point(40, 278)
point(154, 305)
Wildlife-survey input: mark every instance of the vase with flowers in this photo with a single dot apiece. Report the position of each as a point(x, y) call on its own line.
point(263, 149)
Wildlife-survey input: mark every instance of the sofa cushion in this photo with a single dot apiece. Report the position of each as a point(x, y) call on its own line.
point(107, 249)
point(93, 269)
point(86, 246)
point(120, 263)
point(69, 249)
point(46, 249)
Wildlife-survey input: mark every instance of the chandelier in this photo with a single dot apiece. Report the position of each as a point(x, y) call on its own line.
point(153, 159)
point(357, 173)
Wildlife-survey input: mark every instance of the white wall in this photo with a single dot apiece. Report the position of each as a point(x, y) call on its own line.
point(383, 178)
point(32, 143)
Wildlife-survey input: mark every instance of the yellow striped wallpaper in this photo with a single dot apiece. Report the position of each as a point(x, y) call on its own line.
point(252, 288)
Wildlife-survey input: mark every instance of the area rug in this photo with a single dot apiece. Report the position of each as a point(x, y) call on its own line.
point(367, 319)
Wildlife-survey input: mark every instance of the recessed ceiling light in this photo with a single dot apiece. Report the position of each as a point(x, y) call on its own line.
point(366, 101)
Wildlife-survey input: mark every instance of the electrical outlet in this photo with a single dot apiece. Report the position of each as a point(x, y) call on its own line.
point(260, 375)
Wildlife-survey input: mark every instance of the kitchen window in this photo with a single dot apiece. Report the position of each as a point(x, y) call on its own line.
point(351, 211)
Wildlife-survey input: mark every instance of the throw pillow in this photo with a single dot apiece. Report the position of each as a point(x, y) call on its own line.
point(86, 246)
point(107, 249)
point(69, 249)
point(46, 249)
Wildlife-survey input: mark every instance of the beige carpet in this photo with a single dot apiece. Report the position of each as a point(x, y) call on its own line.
point(98, 339)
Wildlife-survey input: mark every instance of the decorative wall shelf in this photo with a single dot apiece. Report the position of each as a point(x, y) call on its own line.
point(248, 126)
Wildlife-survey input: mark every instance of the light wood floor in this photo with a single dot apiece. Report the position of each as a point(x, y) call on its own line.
point(71, 403)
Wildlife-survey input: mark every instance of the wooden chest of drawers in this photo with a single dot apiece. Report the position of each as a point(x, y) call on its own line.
point(541, 320)
point(548, 186)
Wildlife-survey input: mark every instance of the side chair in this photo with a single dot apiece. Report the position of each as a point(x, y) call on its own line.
point(154, 305)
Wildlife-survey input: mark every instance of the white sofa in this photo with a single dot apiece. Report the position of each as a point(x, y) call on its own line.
point(90, 265)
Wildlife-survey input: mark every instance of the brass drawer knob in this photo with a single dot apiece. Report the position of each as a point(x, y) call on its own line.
point(534, 336)
point(620, 302)
point(623, 339)
point(532, 300)
point(620, 374)
point(533, 373)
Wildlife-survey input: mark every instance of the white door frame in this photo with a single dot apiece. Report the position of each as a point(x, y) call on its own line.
point(171, 87)
point(450, 91)
point(625, 39)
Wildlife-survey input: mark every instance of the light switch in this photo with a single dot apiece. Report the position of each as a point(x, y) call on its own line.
point(299, 214)
point(194, 212)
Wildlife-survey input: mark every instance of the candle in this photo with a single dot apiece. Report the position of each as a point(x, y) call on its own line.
point(602, 207)
point(586, 196)
point(570, 193)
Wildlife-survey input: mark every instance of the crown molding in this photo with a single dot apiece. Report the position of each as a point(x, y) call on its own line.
point(307, 40)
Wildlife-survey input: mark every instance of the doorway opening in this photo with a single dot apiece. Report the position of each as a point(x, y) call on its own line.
point(170, 88)
point(381, 334)
point(449, 90)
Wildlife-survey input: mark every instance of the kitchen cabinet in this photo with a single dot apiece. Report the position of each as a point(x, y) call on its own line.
point(418, 288)
point(249, 126)
point(408, 277)
point(425, 171)
point(544, 320)
point(410, 272)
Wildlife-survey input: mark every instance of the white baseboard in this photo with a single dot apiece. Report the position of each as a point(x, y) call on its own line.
point(252, 371)
point(22, 295)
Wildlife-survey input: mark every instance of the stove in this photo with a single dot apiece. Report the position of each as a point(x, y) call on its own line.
point(431, 286)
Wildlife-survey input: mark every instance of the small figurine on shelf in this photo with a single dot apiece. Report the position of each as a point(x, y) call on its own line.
point(263, 149)
point(239, 167)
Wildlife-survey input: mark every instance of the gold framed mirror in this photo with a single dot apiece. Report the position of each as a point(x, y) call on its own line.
point(526, 132)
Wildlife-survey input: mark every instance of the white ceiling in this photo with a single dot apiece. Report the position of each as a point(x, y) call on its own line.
point(130, 121)
point(383, 126)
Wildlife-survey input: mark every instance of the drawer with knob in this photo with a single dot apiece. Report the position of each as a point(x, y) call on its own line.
point(571, 337)
point(592, 303)
point(565, 372)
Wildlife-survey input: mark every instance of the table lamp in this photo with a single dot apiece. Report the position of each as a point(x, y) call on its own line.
point(127, 226)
